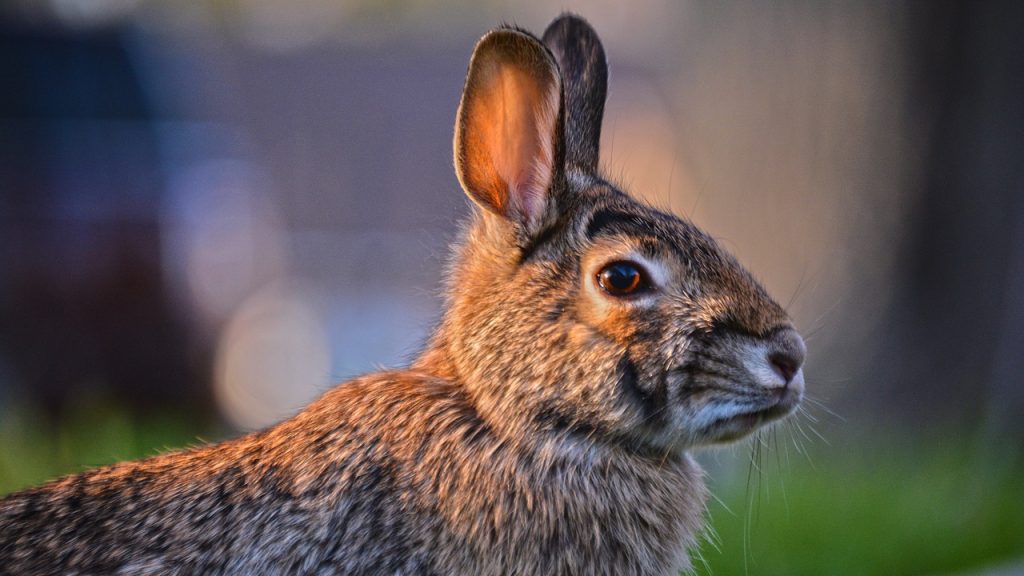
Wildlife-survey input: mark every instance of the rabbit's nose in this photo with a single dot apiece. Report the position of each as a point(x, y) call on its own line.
point(786, 354)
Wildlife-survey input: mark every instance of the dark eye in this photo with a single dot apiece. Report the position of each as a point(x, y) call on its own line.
point(620, 278)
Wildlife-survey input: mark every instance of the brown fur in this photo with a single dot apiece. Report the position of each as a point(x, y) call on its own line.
point(544, 430)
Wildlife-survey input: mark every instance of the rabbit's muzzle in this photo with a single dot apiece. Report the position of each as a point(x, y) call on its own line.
point(732, 384)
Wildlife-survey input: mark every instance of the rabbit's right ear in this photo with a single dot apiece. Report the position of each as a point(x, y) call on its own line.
point(508, 129)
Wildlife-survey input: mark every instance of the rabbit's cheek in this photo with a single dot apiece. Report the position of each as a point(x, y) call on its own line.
point(597, 307)
point(613, 320)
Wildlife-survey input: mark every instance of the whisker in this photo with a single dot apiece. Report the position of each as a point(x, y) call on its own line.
point(789, 429)
point(818, 322)
point(810, 334)
point(818, 434)
point(668, 192)
point(821, 405)
point(755, 455)
point(803, 412)
point(796, 442)
point(782, 477)
point(799, 286)
point(722, 504)
point(803, 449)
point(796, 422)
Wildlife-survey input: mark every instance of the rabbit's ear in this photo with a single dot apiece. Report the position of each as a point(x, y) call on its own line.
point(584, 72)
point(507, 132)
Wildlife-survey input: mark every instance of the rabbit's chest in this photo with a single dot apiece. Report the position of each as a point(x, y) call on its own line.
point(621, 521)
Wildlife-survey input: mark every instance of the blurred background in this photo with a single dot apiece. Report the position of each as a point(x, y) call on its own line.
point(211, 211)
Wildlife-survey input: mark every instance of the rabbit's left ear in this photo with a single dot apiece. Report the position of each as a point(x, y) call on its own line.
point(584, 72)
point(508, 129)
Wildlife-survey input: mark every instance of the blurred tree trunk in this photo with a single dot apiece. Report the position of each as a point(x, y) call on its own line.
point(958, 349)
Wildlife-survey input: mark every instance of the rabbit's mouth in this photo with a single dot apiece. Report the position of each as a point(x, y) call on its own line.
point(733, 420)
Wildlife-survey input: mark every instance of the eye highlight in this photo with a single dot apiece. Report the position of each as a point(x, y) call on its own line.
point(621, 279)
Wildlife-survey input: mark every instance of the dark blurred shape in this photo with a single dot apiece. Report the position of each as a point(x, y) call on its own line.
point(82, 302)
point(958, 321)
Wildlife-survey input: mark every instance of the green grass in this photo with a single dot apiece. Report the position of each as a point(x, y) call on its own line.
point(871, 506)
point(928, 504)
point(32, 450)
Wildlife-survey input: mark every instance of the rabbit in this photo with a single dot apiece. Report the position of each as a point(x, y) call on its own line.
point(589, 345)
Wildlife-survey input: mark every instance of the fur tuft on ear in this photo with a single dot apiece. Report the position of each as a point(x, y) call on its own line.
point(508, 128)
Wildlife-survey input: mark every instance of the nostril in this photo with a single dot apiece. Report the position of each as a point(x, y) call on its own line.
point(785, 364)
point(786, 353)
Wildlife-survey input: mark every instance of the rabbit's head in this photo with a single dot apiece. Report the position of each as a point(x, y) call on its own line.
point(573, 308)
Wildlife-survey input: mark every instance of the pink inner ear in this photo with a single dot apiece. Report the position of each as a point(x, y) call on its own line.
point(522, 113)
point(530, 189)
